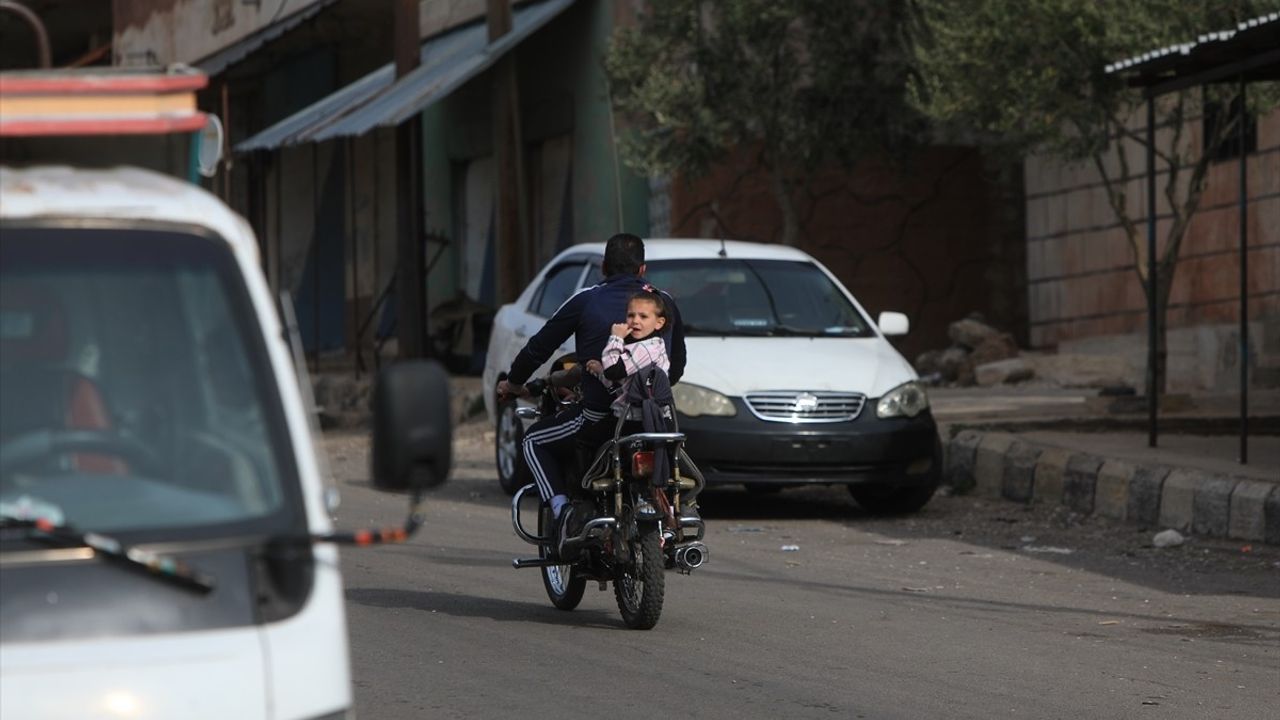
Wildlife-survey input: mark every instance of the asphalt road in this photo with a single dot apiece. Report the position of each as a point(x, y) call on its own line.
point(972, 609)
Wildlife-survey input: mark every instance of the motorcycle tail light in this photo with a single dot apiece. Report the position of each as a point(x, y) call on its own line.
point(642, 464)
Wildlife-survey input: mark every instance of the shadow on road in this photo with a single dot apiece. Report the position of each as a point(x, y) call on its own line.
point(1259, 634)
point(1053, 534)
point(801, 503)
point(1124, 551)
point(458, 605)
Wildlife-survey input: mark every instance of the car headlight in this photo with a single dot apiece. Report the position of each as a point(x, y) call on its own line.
point(907, 400)
point(693, 401)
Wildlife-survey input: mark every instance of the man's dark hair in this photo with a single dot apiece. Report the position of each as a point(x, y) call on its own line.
point(660, 307)
point(623, 255)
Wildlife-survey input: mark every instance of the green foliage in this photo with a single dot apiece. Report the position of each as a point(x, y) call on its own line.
point(1031, 76)
point(810, 81)
point(1032, 73)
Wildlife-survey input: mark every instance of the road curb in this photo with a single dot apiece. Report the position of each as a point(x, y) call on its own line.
point(988, 465)
point(1020, 471)
point(1050, 467)
point(1002, 464)
point(1111, 495)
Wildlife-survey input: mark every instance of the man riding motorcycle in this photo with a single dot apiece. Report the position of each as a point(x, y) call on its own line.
point(589, 316)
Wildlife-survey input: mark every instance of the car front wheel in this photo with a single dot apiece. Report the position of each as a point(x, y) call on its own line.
point(508, 453)
point(891, 501)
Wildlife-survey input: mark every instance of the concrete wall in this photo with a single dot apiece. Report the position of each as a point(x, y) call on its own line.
point(937, 240)
point(1085, 295)
point(168, 31)
point(562, 95)
point(371, 202)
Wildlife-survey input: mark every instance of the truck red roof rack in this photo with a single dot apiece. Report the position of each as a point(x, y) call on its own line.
point(100, 101)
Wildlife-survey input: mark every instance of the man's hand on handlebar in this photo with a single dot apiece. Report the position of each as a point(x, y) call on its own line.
point(508, 390)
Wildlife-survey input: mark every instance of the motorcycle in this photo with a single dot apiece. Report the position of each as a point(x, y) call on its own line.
point(610, 543)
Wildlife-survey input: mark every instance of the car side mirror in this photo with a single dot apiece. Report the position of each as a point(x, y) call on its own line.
point(893, 323)
point(412, 429)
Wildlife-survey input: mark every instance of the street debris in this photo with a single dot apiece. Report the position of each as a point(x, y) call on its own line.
point(1048, 549)
point(891, 542)
point(1168, 538)
point(790, 548)
point(915, 589)
point(1109, 622)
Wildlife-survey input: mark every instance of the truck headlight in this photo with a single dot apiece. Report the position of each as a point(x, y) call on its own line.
point(907, 400)
point(692, 400)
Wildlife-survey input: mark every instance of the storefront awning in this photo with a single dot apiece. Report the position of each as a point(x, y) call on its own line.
point(380, 100)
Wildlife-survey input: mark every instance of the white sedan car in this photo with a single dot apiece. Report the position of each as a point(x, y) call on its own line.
point(788, 380)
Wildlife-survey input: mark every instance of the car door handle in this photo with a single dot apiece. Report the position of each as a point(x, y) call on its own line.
point(521, 332)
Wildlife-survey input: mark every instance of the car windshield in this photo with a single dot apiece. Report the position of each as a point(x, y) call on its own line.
point(757, 297)
point(135, 386)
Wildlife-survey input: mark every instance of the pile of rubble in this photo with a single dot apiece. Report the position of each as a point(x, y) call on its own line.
point(979, 355)
point(983, 355)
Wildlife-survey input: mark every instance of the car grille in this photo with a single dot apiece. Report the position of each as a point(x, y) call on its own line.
point(799, 406)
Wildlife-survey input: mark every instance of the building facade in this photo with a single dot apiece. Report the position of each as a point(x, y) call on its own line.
point(1085, 295)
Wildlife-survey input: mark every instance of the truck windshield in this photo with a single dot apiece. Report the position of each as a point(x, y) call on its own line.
point(729, 297)
point(135, 392)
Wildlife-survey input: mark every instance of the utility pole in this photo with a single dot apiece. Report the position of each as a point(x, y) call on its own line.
point(510, 225)
point(411, 281)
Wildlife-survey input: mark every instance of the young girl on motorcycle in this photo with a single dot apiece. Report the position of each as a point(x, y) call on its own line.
point(634, 346)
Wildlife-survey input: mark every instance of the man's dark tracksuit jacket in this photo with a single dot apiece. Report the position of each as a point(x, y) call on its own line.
point(589, 316)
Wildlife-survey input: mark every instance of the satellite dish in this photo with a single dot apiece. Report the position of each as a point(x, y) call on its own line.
point(211, 143)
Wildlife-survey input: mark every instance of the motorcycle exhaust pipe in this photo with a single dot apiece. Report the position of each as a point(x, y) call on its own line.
point(691, 557)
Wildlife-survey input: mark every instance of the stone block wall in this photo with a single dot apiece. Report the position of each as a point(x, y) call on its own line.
point(937, 238)
point(1081, 281)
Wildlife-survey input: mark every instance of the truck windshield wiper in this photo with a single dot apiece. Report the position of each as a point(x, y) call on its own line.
point(162, 567)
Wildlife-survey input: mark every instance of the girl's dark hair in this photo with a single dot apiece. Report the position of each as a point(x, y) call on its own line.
point(653, 297)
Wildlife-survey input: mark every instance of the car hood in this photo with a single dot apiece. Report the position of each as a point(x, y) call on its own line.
point(186, 675)
point(738, 365)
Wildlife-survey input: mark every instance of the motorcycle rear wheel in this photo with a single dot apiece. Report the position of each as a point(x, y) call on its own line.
point(639, 587)
point(564, 585)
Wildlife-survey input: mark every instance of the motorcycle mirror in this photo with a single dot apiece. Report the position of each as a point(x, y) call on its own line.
point(412, 429)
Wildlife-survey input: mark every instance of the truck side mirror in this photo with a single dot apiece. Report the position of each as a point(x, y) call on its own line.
point(412, 430)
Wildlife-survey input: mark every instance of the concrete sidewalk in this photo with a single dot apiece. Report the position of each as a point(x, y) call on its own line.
point(1035, 444)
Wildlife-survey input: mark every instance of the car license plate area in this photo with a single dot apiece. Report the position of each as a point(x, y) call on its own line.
point(811, 450)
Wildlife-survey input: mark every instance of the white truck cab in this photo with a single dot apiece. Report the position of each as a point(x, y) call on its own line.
point(165, 546)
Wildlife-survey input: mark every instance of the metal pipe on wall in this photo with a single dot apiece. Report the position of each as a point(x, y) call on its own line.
point(355, 250)
point(44, 56)
point(1244, 276)
point(315, 265)
point(1152, 321)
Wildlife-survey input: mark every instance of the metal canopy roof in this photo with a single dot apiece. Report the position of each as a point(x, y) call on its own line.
point(1248, 53)
point(379, 100)
point(1250, 50)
